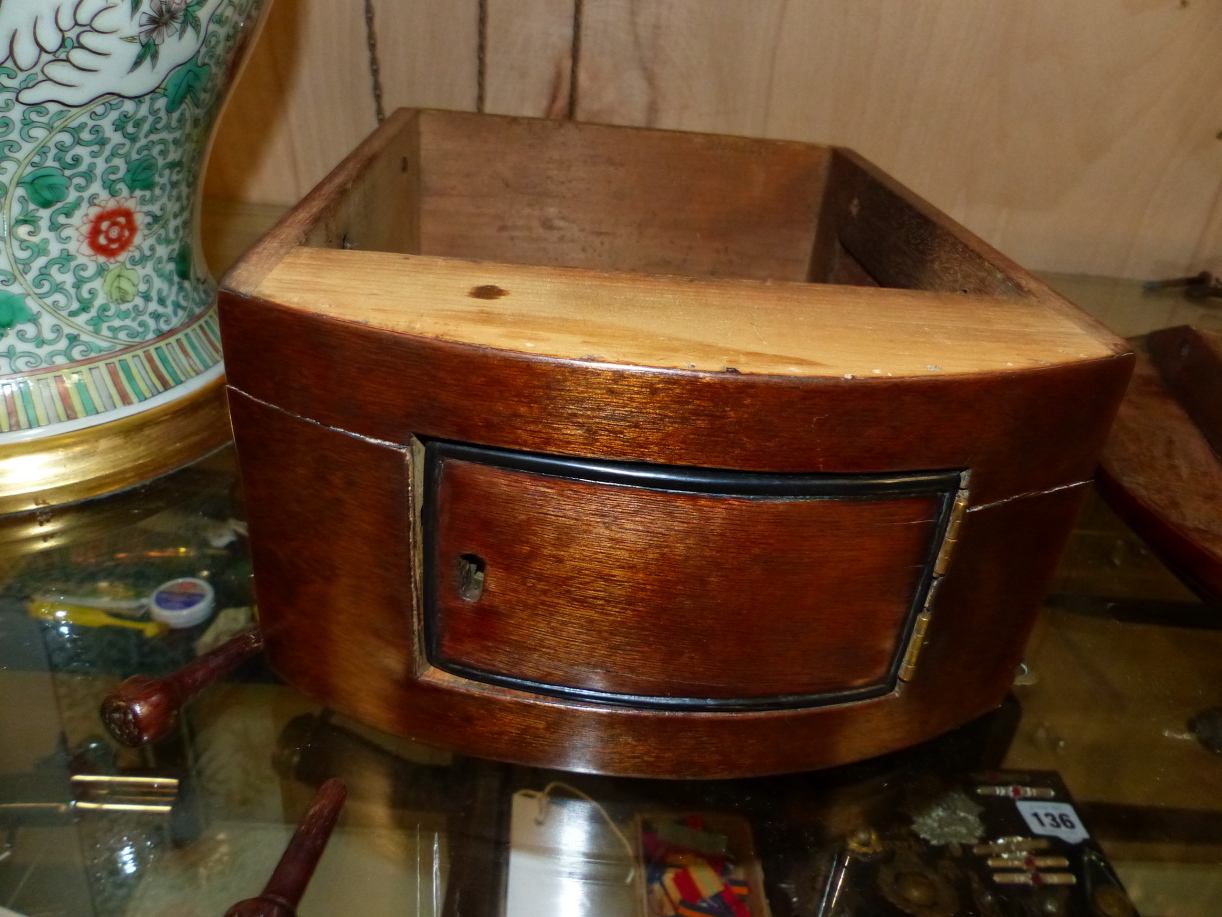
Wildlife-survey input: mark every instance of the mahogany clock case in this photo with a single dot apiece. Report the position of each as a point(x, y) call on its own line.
point(650, 453)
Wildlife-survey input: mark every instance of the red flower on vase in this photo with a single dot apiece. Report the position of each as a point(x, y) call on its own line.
point(109, 229)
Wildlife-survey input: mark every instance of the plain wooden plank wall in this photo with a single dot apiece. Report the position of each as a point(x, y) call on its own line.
point(1077, 136)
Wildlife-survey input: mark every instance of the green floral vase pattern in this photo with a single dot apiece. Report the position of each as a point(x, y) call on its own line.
point(106, 108)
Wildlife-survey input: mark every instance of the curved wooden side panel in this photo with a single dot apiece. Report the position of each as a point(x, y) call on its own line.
point(1020, 431)
point(332, 535)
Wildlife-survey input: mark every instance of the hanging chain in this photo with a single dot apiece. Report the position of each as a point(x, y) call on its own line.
point(375, 72)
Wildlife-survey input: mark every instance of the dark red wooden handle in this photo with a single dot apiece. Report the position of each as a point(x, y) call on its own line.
point(144, 708)
point(288, 883)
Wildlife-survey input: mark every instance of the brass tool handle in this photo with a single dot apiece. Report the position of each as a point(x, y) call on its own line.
point(143, 709)
point(288, 883)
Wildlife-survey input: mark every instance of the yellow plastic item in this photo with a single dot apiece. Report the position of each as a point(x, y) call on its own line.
point(84, 616)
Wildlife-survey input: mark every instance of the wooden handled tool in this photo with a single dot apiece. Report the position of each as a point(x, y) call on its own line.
point(288, 883)
point(144, 708)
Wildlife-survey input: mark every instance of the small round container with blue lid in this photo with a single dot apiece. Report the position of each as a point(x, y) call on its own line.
point(183, 602)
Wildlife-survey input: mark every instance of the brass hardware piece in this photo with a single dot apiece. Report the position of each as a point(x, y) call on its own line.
point(908, 667)
point(42, 799)
point(914, 646)
point(1026, 861)
point(1015, 791)
point(121, 793)
point(919, 629)
point(168, 784)
point(1011, 845)
point(952, 533)
point(124, 807)
point(1035, 878)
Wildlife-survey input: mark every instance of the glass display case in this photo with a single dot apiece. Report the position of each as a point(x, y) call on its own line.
point(1104, 765)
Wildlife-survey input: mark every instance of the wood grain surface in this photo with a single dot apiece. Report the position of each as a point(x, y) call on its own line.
point(1161, 476)
point(428, 54)
point(323, 216)
point(1077, 138)
point(903, 242)
point(1189, 360)
point(302, 103)
point(1014, 426)
point(440, 616)
point(636, 591)
point(1042, 128)
point(528, 58)
point(332, 359)
point(540, 192)
point(332, 562)
point(782, 329)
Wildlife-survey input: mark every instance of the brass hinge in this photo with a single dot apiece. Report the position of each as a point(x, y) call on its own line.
point(917, 641)
point(952, 533)
point(914, 645)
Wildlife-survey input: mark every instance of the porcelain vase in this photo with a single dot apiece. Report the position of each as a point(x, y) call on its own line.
point(106, 305)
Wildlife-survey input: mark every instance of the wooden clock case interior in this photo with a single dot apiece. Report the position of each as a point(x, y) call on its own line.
point(650, 453)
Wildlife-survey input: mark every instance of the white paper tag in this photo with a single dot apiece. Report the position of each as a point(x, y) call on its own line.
point(1052, 819)
point(568, 863)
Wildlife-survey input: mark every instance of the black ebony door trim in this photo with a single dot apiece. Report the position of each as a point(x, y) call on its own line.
point(685, 479)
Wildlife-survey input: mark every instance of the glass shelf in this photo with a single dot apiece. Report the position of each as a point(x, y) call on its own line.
point(1122, 661)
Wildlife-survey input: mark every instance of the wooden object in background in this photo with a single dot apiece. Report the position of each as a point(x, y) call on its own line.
point(549, 508)
point(1075, 138)
point(296, 867)
point(1189, 360)
point(1161, 469)
point(1034, 124)
point(529, 58)
point(299, 105)
point(144, 708)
